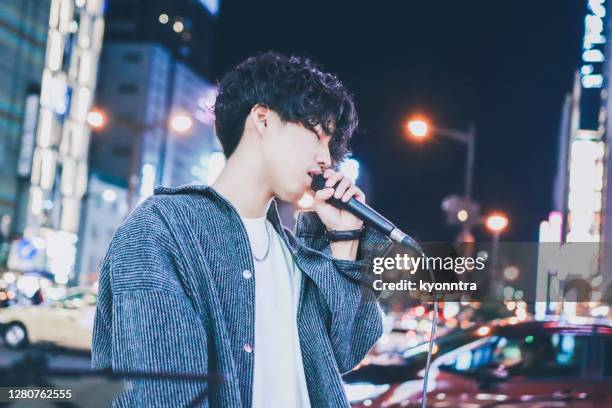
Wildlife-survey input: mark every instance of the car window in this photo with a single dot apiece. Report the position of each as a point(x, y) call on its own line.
point(472, 358)
point(542, 354)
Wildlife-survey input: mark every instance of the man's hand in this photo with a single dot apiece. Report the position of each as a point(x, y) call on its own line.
point(337, 219)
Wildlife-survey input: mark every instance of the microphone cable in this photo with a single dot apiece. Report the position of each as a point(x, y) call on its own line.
point(412, 244)
point(432, 337)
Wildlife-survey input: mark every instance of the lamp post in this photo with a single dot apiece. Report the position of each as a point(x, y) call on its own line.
point(179, 122)
point(421, 128)
point(496, 223)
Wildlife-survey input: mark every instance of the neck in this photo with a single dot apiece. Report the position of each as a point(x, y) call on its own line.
point(242, 183)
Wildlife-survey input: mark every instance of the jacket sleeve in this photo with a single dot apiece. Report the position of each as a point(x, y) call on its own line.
point(353, 315)
point(144, 321)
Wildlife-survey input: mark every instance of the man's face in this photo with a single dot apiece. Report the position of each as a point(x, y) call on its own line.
point(292, 154)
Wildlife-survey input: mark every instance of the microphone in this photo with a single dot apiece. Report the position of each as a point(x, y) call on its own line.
point(372, 218)
point(368, 215)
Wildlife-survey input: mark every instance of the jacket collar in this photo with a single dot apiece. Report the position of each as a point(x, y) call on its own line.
point(271, 215)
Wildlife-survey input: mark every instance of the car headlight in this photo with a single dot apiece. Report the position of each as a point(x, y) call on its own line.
point(357, 392)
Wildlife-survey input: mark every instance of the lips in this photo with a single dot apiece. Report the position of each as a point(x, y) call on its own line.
point(311, 174)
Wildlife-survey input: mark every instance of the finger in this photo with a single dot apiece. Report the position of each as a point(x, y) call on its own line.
point(328, 172)
point(349, 193)
point(333, 179)
point(360, 196)
point(324, 194)
point(342, 187)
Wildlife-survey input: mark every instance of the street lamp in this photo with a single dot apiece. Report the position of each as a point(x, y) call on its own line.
point(421, 128)
point(96, 119)
point(178, 122)
point(181, 122)
point(418, 128)
point(496, 223)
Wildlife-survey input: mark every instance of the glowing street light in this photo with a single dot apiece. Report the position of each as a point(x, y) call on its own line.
point(178, 26)
point(418, 128)
point(96, 118)
point(496, 223)
point(462, 215)
point(181, 122)
point(421, 128)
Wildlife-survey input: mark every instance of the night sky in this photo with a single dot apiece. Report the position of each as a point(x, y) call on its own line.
point(504, 65)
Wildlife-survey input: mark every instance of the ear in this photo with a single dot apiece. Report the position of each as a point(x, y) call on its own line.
point(260, 115)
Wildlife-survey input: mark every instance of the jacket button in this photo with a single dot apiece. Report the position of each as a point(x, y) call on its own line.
point(246, 274)
point(247, 347)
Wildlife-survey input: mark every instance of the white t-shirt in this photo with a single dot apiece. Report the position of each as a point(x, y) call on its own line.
point(278, 378)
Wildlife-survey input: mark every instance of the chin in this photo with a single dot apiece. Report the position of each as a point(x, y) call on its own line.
point(292, 195)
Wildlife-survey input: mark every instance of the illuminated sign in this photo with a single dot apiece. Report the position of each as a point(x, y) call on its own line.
point(585, 190)
point(30, 116)
point(592, 67)
point(593, 45)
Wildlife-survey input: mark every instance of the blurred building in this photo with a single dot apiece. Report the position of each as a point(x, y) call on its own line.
point(606, 263)
point(58, 177)
point(183, 27)
point(104, 207)
point(23, 36)
point(154, 68)
point(579, 229)
point(142, 87)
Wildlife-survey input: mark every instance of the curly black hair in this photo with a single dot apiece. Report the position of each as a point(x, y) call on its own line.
point(293, 87)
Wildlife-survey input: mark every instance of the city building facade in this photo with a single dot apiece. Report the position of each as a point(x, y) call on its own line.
point(575, 257)
point(154, 71)
point(104, 207)
point(59, 169)
point(23, 37)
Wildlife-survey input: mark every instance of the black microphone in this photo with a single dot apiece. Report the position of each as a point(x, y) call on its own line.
point(372, 218)
point(368, 215)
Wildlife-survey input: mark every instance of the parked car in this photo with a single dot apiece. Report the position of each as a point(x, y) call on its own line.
point(533, 363)
point(67, 322)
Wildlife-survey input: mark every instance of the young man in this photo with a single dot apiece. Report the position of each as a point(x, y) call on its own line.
point(205, 279)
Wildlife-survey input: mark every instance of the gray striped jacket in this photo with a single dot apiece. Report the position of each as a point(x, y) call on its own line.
point(172, 298)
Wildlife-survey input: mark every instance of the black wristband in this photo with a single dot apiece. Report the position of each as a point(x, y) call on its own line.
point(349, 235)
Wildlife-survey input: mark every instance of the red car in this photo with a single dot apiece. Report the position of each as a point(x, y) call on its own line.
point(528, 364)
